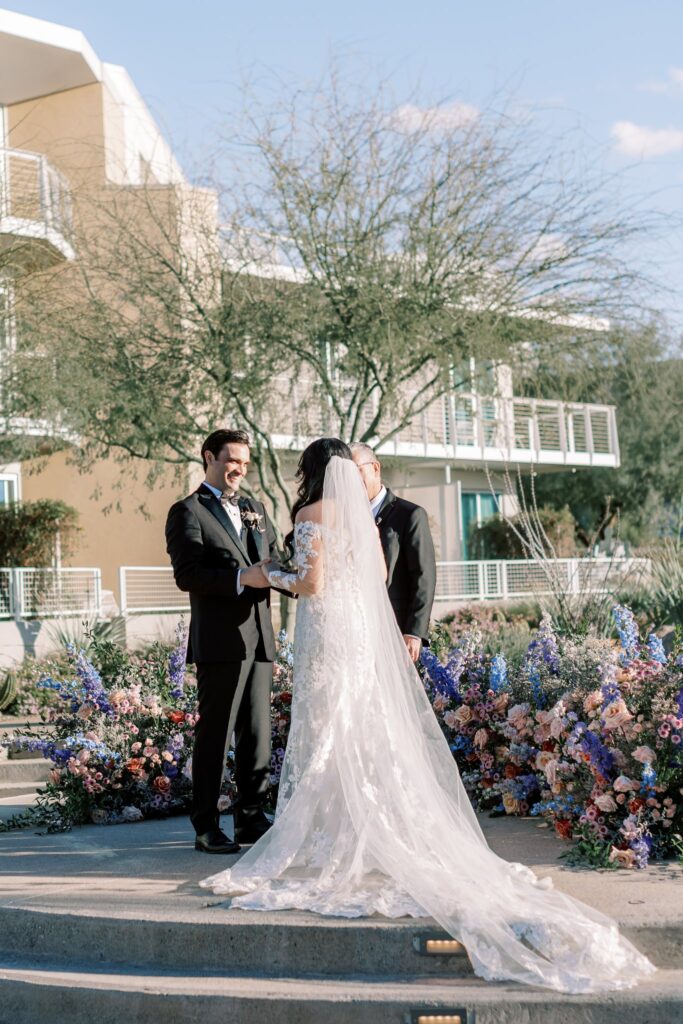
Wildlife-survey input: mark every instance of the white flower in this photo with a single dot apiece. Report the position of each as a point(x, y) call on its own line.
point(132, 813)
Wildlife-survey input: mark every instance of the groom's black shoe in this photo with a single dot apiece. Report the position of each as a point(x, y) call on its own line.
point(215, 841)
point(251, 826)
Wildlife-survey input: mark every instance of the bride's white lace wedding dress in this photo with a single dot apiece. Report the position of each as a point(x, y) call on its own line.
point(372, 816)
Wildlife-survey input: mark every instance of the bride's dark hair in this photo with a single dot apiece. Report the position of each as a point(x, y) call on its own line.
point(311, 474)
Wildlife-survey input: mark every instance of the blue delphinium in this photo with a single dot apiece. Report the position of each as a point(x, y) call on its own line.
point(542, 652)
point(176, 662)
point(498, 678)
point(627, 629)
point(590, 744)
point(641, 847)
point(444, 678)
point(649, 778)
point(656, 649)
point(91, 682)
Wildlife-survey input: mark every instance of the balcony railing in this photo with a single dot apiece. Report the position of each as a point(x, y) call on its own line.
point(35, 208)
point(49, 593)
point(152, 589)
point(469, 428)
point(516, 578)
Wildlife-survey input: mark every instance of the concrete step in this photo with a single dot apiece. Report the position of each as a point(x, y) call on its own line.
point(61, 992)
point(282, 944)
point(18, 788)
point(34, 769)
point(289, 943)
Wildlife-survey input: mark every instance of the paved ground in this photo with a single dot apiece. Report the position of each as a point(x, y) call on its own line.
point(150, 870)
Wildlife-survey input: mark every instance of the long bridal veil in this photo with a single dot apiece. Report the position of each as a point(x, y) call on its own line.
point(372, 814)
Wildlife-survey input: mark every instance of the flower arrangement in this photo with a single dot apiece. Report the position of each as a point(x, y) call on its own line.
point(121, 736)
point(587, 735)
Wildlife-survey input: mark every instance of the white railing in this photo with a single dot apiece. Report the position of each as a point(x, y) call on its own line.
point(469, 427)
point(50, 593)
point(34, 197)
point(510, 579)
point(150, 588)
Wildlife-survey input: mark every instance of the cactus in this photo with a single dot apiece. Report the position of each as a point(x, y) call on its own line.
point(8, 691)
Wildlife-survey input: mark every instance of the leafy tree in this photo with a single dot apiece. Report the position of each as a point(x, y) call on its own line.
point(640, 373)
point(369, 250)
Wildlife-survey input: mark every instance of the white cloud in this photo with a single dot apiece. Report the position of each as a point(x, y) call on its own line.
point(638, 141)
point(672, 86)
point(444, 117)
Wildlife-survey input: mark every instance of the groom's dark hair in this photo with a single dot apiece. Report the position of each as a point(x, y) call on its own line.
point(215, 442)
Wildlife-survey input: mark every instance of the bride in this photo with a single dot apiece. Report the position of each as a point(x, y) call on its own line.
point(372, 816)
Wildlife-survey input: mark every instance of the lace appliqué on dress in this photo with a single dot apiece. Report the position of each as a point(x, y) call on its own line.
point(307, 536)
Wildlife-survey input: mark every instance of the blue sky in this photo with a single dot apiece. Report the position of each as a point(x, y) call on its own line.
point(612, 67)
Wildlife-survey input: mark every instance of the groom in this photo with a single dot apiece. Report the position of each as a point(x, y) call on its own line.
point(216, 539)
point(408, 551)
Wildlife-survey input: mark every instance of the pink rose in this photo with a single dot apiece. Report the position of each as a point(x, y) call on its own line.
point(606, 803)
point(463, 716)
point(645, 755)
point(451, 720)
point(480, 738)
point(616, 715)
point(592, 701)
point(624, 785)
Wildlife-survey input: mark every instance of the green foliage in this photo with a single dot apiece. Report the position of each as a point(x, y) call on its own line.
point(91, 634)
point(640, 372)
point(29, 531)
point(496, 537)
point(8, 691)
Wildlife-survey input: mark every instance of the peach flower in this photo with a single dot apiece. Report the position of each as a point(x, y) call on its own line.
point(622, 858)
point(645, 755)
point(464, 715)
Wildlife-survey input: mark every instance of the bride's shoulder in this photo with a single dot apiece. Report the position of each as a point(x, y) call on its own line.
point(312, 513)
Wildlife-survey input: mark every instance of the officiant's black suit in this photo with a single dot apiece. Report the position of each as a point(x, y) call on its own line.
point(231, 642)
point(411, 563)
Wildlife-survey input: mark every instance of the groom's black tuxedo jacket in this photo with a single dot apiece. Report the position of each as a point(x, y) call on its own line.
point(206, 554)
point(411, 563)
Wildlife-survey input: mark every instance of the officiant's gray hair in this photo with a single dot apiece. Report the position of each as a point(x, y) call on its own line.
point(361, 448)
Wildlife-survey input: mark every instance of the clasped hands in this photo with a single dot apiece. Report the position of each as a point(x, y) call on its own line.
point(256, 575)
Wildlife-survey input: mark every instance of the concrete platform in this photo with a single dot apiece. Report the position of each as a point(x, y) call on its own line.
point(109, 923)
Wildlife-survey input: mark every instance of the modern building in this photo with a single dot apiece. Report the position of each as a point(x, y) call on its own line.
point(70, 122)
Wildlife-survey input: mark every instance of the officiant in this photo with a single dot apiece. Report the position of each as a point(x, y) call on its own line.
point(408, 551)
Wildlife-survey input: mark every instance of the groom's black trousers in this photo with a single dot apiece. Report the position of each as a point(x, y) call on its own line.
point(232, 696)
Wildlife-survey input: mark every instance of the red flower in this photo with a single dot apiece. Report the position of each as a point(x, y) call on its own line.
point(135, 765)
point(176, 716)
point(563, 827)
point(162, 785)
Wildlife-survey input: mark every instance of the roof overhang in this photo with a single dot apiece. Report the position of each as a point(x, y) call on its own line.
point(38, 58)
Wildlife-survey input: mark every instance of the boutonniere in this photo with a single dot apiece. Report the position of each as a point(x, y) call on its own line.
point(252, 520)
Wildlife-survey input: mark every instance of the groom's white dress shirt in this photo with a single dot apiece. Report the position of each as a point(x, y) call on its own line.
point(377, 501)
point(235, 518)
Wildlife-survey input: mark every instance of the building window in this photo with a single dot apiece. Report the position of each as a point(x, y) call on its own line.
point(476, 508)
point(9, 488)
